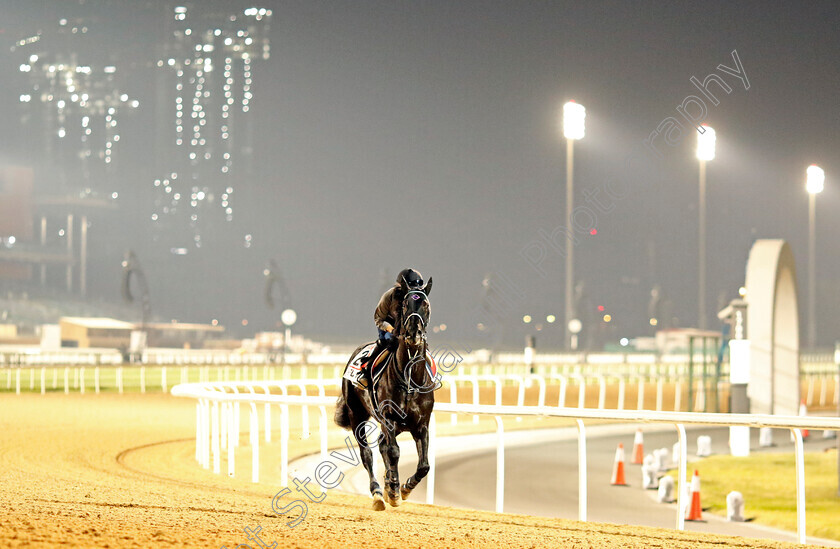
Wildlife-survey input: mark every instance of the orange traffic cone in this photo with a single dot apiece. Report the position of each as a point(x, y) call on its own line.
point(638, 448)
point(694, 511)
point(618, 468)
point(803, 411)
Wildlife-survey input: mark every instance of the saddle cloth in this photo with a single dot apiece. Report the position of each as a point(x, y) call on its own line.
point(359, 363)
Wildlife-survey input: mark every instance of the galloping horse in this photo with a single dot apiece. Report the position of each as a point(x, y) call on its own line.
point(400, 399)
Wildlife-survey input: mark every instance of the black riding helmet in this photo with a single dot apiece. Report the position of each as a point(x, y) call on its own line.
point(412, 278)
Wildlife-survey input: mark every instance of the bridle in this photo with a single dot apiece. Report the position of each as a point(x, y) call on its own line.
point(415, 353)
point(422, 294)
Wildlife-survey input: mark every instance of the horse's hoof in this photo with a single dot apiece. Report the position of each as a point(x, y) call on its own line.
point(378, 502)
point(394, 500)
point(404, 492)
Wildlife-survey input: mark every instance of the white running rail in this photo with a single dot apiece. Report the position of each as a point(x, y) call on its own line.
point(217, 426)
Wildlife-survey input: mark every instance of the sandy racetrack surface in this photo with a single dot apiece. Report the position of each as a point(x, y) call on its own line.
point(119, 471)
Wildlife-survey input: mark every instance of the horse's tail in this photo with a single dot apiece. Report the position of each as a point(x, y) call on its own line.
point(342, 413)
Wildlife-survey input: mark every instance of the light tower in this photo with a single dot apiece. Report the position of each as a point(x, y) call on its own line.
point(814, 183)
point(574, 115)
point(705, 153)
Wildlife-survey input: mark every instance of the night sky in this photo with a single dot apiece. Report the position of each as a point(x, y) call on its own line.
point(427, 134)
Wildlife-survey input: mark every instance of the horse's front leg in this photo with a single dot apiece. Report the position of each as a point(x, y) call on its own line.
point(360, 434)
point(390, 451)
point(375, 488)
point(421, 439)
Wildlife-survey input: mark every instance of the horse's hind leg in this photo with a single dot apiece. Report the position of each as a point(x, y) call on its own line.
point(421, 439)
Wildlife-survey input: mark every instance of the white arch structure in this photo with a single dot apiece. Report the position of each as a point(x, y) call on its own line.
point(773, 329)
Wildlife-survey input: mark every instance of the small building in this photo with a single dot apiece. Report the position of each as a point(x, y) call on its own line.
point(95, 332)
point(182, 335)
point(116, 334)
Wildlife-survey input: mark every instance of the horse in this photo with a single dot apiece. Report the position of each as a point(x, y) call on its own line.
point(400, 400)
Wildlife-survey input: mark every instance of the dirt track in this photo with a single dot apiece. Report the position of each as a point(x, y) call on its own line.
point(118, 471)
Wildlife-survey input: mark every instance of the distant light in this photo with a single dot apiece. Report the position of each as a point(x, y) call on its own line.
point(244, 321)
point(33, 58)
point(624, 342)
point(574, 115)
point(593, 231)
point(178, 251)
point(654, 322)
point(11, 240)
point(600, 308)
point(25, 98)
point(180, 9)
point(443, 327)
point(526, 319)
point(110, 69)
point(25, 68)
point(607, 318)
point(815, 181)
point(706, 143)
point(115, 195)
point(742, 291)
point(62, 132)
point(288, 317)
point(550, 319)
point(124, 97)
point(214, 322)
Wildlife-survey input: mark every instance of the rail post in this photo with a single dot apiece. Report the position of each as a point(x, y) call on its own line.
point(430, 478)
point(500, 465)
point(582, 503)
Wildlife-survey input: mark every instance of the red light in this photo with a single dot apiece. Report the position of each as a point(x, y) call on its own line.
point(593, 232)
point(600, 308)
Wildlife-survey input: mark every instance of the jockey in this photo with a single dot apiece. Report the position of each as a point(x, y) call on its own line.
point(387, 313)
point(387, 318)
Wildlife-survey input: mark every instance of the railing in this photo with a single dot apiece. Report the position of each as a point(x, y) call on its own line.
point(217, 427)
point(562, 363)
point(142, 377)
point(147, 377)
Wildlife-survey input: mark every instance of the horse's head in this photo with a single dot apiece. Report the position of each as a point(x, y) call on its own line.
point(415, 314)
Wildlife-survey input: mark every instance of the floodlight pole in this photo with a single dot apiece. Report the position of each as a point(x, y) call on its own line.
point(570, 248)
point(814, 182)
point(574, 116)
point(701, 263)
point(837, 434)
point(812, 270)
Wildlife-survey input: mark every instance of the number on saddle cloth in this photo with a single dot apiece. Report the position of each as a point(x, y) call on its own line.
point(362, 357)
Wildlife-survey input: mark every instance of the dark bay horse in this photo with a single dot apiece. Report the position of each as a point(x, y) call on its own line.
point(401, 400)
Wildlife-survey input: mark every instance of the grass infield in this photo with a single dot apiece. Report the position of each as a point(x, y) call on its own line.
point(768, 483)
